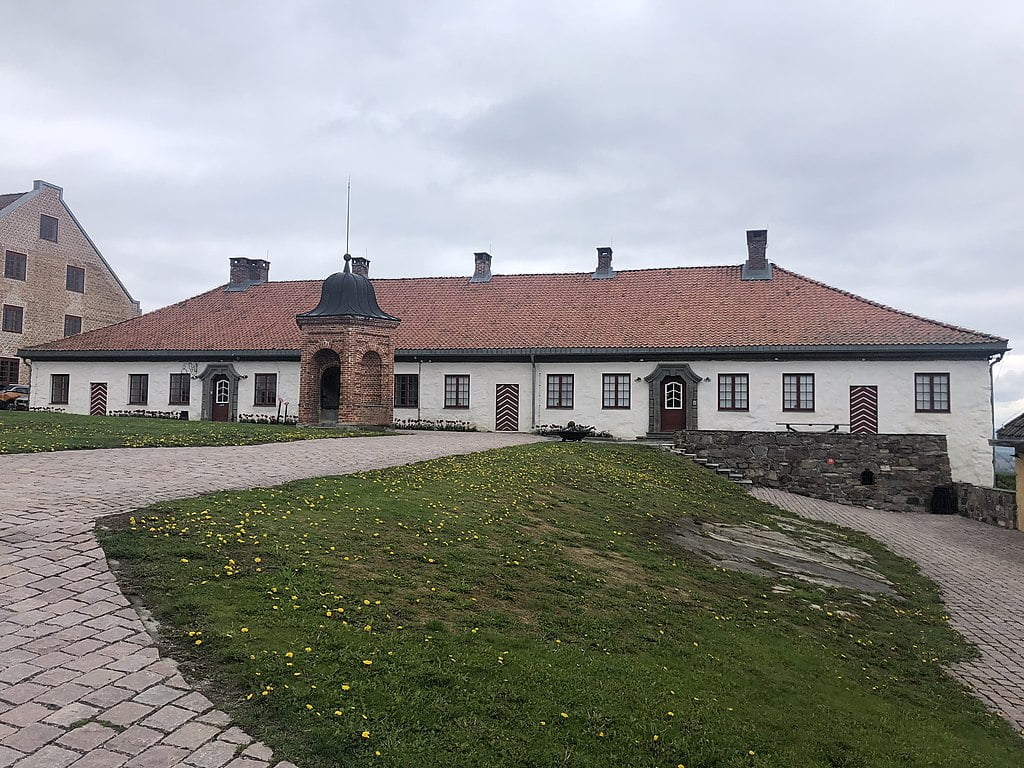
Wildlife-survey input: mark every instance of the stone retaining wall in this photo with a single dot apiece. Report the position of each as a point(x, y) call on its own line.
point(989, 505)
point(904, 469)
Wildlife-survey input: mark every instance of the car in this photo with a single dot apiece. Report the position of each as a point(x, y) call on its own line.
point(14, 397)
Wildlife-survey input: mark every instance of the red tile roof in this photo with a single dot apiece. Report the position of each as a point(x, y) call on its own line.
point(702, 307)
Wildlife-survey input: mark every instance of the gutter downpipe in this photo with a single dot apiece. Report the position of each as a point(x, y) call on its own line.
point(419, 379)
point(992, 404)
point(532, 392)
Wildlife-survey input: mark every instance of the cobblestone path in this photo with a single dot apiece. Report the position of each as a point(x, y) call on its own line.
point(978, 567)
point(81, 683)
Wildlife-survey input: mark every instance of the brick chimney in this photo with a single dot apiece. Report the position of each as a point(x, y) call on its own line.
point(756, 266)
point(360, 266)
point(246, 272)
point(481, 268)
point(604, 264)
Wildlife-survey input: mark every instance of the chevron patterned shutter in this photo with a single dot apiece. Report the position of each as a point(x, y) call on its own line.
point(506, 408)
point(98, 399)
point(864, 410)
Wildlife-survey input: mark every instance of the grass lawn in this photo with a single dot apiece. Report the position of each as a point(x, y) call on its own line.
point(32, 431)
point(522, 608)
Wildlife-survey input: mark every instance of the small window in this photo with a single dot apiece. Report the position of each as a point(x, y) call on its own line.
point(47, 228)
point(180, 389)
point(407, 390)
point(456, 391)
point(223, 392)
point(60, 385)
point(15, 265)
point(931, 392)
point(14, 318)
point(798, 391)
point(72, 325)
point(733, 391)
point(615, 390)
point(266, 389)
point(560, 386)
point(138, 388)
point(76, 279)
point(9, 370)
point(673, 396)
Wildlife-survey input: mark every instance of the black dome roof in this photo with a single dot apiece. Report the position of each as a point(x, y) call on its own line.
point(346, 294)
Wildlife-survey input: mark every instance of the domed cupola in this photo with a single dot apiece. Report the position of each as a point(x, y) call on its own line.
point(347, 294)
point(347, 353)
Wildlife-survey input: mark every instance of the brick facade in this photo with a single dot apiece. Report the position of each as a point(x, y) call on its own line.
point(365, 354)
point(44, 294)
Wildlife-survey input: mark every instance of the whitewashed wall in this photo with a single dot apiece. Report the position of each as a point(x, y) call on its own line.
point(115, 374)
point(967, 427)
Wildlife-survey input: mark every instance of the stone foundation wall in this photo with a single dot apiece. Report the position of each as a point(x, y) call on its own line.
point(904, 469)
point(988, 505)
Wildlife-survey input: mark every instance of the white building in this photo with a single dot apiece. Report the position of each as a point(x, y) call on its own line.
point(639, 352)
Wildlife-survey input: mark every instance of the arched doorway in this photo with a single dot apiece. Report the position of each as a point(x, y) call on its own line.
point(326, 375)
point(673, 404)
point(672, 398)
point(220, 402)
point(220, 392)
point(330, 395)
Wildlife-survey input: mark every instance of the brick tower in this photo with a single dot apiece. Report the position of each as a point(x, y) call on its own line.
point(348, 358)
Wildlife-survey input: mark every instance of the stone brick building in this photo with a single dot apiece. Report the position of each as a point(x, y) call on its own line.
point(54, 282)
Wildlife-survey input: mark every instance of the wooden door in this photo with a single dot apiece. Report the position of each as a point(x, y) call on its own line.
point(673, 404)
point(864, 409)
point(98, 398)
point(506, 408)
point(220, 407)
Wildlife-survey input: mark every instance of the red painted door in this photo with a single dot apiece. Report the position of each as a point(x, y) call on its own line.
point(221, 406)
point(673, 404)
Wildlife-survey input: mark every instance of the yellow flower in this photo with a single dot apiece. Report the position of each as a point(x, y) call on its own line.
point(563, 714)
point(245, 629)
point(367, 662)
point(366, 734)
point(346, 687)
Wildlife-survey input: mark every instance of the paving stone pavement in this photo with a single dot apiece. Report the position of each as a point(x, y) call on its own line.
point(81, 683)
point(979, 569)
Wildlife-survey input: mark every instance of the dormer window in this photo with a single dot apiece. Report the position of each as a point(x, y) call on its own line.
point(47, 228)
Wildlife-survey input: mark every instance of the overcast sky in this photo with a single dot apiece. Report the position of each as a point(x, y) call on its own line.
point(880, 143)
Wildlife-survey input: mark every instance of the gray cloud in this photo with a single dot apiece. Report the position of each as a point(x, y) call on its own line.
point(876, 141)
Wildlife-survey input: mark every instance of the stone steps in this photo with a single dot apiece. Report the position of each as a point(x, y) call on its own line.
point(726, 472)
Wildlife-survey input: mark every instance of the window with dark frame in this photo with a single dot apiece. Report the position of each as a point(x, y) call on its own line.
point(76, 279)
point(15, 265)
point(407, 390)
point(266, 389)
point(60, 386)
point(47, 228)
point(615, 390)
point(138, 388)
point(13, 318)
point(9, 370)
point(798, 391)
point(72, 325)
point(931, 392)
point(180, 389)
point(456, 391)
point(560, 386)
point(733, 392)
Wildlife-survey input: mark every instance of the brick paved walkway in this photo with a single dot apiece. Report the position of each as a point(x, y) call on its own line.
point(81, 683)
point(978, 567)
